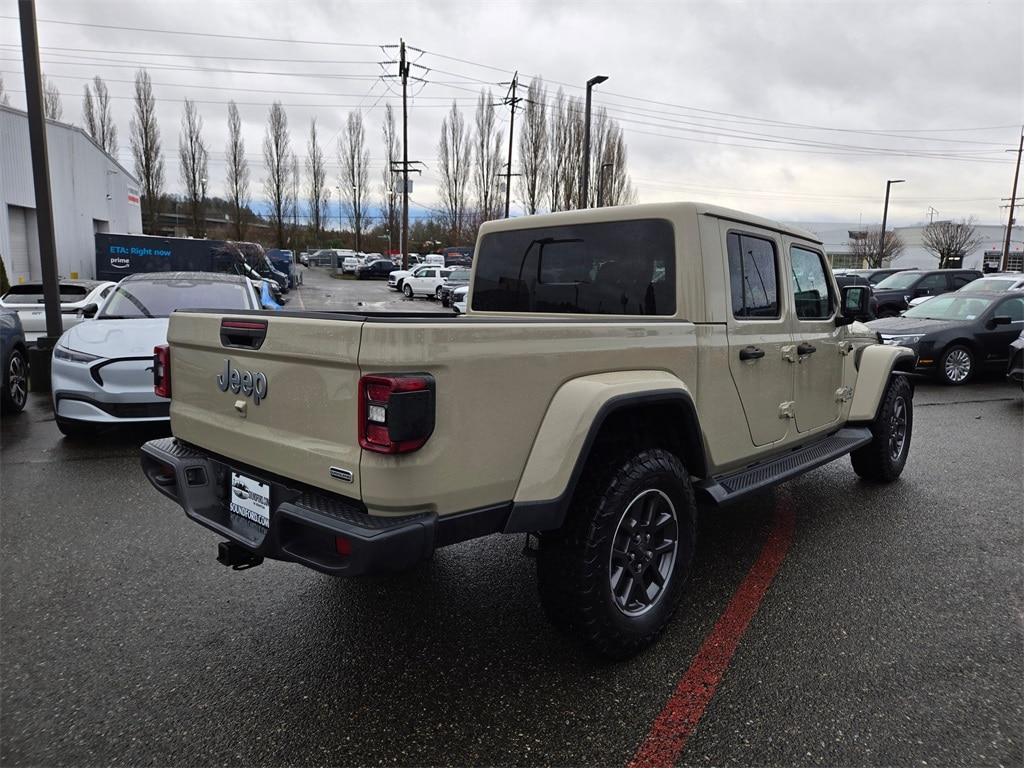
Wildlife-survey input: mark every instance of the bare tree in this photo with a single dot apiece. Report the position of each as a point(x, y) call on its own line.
point(316, 172)
point(533, 147)
point(864, 247)
point(613, 185)
point(566, 151)
point(454, 160)
point(296, 179)
point(193, 166)
point(951, 241)
point(355, 172)
point(238, 171)
point(145, 140)
point(390, 210)
point(5, 100)
point(53, 109)
point(98, 116)
point(277, 159)
point(488, 144)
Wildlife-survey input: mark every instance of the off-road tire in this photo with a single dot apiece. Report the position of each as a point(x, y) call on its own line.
point(574, 563)
point(879, 461)
point(74, 430)
point(15, 383)
point(407, 290)
point(962, 354)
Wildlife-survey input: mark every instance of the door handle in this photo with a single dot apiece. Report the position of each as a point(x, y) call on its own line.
point(751, 353)
point(806, 348)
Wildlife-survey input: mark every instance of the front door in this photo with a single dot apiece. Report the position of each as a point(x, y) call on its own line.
point(817, 362)
point(759, 331)
point(995, 339)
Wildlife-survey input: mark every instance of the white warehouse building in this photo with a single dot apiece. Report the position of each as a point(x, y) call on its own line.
point(91, 191)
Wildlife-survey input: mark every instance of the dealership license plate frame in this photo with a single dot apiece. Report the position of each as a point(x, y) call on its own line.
point(249, 499)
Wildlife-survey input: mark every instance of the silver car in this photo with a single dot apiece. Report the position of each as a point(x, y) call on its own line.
point(103, 368)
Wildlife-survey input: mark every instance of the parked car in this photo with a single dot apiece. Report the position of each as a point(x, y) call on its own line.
point(997, 283)
point(375, 270)
point(13, 363)
point(1015, 368)
point(434, 260)
point(396, 278)
point(304, 258)
point(958, 334)
point(456, 279)
point(79, 299)
point(349, 265)
point(103, 369)
point(426, 282)
point(284, 262)
point(459, 299)
point(875, 276)
point(894, 294)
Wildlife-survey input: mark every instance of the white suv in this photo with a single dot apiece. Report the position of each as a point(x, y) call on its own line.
point(426, 282)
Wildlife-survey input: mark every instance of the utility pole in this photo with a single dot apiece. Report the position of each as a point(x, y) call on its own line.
point(885, 216)
point(403, 72)
point(585, 180)
point(511, 100)
point(1013, 203)
point(40, 357)
point(931, 215)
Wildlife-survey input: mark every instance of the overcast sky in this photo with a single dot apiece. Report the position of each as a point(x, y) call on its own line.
point(708, 93)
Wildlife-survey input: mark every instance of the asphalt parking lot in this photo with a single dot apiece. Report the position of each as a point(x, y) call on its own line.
point(890, 635)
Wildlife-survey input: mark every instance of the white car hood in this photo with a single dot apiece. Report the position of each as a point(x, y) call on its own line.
point(117, 338)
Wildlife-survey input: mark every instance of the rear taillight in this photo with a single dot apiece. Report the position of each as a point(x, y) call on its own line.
point(396, 411)
point(162, 371)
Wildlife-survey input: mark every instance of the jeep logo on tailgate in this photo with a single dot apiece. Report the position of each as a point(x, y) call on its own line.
point(248, 383)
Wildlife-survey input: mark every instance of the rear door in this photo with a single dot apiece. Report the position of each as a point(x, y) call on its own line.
point(303, 425)
point(817, 365)
point(759, 330)
point(996, 339)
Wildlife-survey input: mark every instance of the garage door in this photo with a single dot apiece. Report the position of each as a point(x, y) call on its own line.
point(24, 254)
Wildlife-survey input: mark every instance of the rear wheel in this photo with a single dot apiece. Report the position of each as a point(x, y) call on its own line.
point(407, 290)
point(437, 293)
point(15, 393)
point(956, 366)
point(613, 575)
point(882, 460)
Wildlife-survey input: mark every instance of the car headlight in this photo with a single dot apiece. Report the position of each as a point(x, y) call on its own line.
point(64, 353)
point(908, 340)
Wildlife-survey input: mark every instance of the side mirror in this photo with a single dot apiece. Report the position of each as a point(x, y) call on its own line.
point(854, 305)
point(1000, 320)
point(90, 310)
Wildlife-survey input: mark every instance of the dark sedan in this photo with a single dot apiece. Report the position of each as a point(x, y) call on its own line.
point(375, 270)
point(456, 279)
point(13, 363)
point(893, 294)
point(959, 334)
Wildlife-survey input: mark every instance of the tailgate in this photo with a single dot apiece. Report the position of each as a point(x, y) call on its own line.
point(306, 422)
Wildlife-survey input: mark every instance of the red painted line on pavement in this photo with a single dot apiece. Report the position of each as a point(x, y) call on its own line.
point(685, 707)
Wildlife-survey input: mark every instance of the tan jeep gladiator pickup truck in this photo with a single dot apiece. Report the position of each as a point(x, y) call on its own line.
point(615, 367)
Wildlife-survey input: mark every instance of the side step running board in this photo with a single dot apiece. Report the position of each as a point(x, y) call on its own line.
point(724, 489)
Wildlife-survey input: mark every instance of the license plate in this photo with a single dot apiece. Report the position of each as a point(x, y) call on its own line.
point(250, 499)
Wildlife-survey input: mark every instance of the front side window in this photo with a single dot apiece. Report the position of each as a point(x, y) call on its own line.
point(932, 283)
point(605, 268)
point(1013, 308)
point(812, 298)
point(753, 277)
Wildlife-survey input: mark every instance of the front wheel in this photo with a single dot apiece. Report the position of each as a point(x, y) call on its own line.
point(437, 293)
point(15, 383)
point(956, 366)
point(613, 575)
point(407, 290)
point(882, 460)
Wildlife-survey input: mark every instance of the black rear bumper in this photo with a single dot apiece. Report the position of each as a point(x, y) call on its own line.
point(328, 533)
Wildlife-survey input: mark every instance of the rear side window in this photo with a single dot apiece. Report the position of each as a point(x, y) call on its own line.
point(959, 281)
point(753, 276)
point(933, 283)
point(812, 299)
point(607, 268)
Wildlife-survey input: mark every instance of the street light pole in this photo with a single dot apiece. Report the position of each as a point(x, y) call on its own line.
point(1004, 262)
point(600, 183)
point(885, 216)
point(584, 182)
